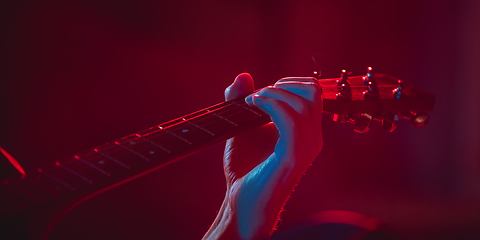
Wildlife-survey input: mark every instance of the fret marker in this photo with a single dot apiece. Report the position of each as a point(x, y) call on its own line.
point(151, 152)
point(132, 142)
point(101, 162)
point(184, 130)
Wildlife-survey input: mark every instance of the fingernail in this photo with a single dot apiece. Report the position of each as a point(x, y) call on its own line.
point(249, 99)
point(257, 98)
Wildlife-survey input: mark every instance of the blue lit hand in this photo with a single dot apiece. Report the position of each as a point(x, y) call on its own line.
point(263, 166)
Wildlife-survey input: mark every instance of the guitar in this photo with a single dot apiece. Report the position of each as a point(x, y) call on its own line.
point(41, 197)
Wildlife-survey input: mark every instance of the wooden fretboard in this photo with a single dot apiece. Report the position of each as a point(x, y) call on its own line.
point(94, 169)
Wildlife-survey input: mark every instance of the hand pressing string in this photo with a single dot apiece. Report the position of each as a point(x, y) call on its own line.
point(263, 166)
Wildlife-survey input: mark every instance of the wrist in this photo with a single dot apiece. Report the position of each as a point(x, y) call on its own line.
point(224, 226)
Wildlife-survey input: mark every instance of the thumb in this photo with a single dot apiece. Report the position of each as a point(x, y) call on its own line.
point(242, 86)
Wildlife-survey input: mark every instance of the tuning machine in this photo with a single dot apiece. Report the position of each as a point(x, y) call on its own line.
point(389, 120)
point(416, 119)
point(343, 85)
point(398, 92)
point(371, 88)
point(362, 122)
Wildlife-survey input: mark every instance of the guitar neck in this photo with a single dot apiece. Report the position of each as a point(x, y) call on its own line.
point(95, 170)
point(117, 162)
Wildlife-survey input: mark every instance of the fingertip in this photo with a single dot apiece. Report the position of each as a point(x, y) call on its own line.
point(249, 99)
point(241, 86)
point(244, 75)
point(261, 102)
point(244, 81)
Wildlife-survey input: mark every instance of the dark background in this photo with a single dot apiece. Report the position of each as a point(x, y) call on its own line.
point(76, 74)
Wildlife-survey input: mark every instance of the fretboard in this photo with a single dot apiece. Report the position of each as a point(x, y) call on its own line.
point(92, 170)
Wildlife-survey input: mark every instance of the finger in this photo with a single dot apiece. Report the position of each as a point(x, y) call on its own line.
point(295, 101)
point(312, 92)
point(309, 90)
point(298, 79)
point(243, 85)
point(283, 116)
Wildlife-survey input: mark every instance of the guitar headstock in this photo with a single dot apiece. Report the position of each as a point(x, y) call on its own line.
point(362, 99)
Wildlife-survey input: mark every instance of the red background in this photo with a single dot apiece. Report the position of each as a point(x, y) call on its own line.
point(76, 74)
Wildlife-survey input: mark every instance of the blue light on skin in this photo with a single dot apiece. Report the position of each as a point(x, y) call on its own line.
point(256, 189)
point(263, 191)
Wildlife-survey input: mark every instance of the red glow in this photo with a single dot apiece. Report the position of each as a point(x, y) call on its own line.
point(13, 161)
point(347, 217)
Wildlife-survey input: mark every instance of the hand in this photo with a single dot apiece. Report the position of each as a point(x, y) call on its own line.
point(263, 166)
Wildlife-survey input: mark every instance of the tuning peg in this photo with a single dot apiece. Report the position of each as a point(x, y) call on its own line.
point(344, 90)
point(416, 119)
point(398, 91)
point(389, 121)
point(344, 75)
point(371, 89)
point(361, 123)
point(317, 74)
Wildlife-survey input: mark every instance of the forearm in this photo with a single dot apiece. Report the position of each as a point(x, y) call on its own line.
point(253, 203)
point(224, 226)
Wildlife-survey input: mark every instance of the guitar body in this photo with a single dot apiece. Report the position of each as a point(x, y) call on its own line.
point(31, 204)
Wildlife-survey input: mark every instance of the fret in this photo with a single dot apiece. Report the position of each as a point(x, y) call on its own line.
point(100, 163)
point(67, 176)
point(92, 166)
point(226, 120)
point(33, 181)
point(254, 110)
point(53, 186)
point(169, 123)
point(195, 114)
point(199, 127)
point(84, 178)
point(237, 114)
point(82, 169)
point(218, 106)
point(166, 141)
point(41, 171)
point(121, 154)
point(212, 123)
point(189, 132)
point(143, 147)
point(155, 128)
point(175, 135)
point(112, 159)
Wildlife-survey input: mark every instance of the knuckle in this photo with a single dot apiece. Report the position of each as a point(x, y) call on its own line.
point(264, 91)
